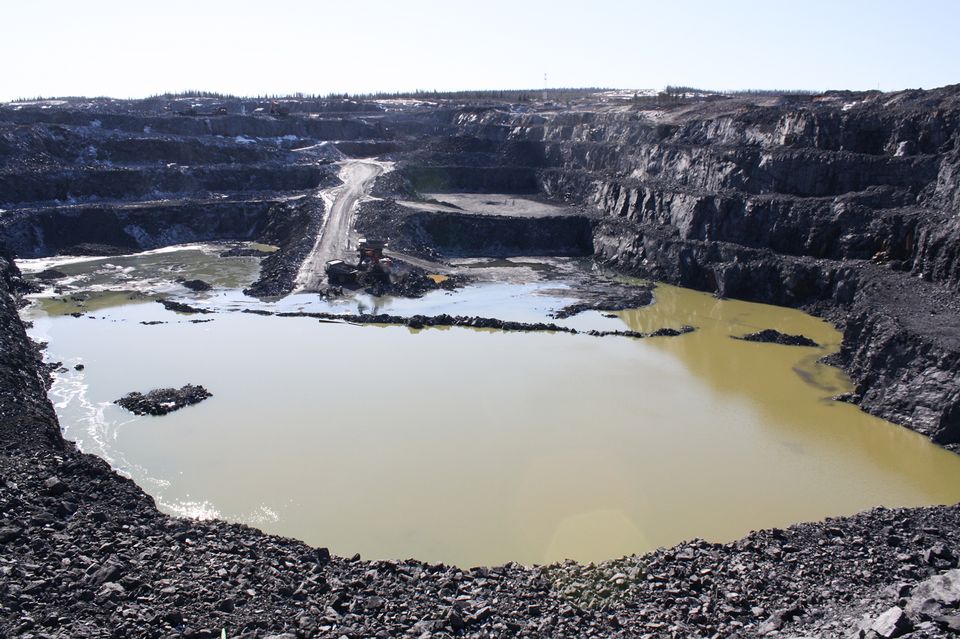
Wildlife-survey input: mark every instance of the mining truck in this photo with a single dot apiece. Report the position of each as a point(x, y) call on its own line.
point(370, 260)
point(339, 272)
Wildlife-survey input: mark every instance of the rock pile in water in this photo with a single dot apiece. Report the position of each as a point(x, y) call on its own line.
point(771, 336)
point(161, 401)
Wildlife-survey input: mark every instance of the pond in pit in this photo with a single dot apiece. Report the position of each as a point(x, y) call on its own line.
point(470, 446)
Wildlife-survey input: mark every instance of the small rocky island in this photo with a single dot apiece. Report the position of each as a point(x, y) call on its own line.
point(161, 401)
point(771, 336)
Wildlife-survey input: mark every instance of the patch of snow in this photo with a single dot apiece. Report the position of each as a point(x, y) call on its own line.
point(240, 139)
point(628, 94)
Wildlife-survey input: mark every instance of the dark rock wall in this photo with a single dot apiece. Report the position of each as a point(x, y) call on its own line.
point(228, 125)
point(835, 203)
point(135, 183)
point(26, 415)
point(469, 235)
point(906, 377)
point(43, 232)
point(498, 179)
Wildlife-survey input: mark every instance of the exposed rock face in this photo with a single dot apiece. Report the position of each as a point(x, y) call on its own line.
point(844, 204)
point(25, 414)
point(471, 235)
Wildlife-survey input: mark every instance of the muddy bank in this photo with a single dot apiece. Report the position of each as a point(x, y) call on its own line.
point(86, 552)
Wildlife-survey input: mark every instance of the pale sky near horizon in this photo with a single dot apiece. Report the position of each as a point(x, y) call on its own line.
point(130, 48)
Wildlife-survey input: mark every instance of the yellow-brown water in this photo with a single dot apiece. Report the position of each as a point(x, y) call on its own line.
point(479, 447)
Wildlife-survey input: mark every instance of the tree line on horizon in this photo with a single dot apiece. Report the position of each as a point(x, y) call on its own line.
point(674, 92)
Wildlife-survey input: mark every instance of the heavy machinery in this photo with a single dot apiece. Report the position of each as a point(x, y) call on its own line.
point(371, 263)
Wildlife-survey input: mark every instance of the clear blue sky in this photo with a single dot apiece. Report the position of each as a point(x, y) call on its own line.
point(130, 48)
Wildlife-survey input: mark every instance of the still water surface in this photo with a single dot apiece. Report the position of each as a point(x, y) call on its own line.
point(476, 447)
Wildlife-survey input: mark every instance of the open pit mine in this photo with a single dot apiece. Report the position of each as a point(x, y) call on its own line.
point(595, 364)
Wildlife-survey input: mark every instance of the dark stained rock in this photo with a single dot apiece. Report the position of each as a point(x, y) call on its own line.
point(197, 285)
point(54, 486)
point(180, 307)
point(9, 533)
point(51, 274)
point(243, 251)
point(411, 284)
point(608, 296)
point(161, 401)
point(672, 332)
point(771, 336)
point(425, 321)
point(777, 620)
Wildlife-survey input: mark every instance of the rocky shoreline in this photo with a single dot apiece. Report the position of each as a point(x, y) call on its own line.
point(86, 553)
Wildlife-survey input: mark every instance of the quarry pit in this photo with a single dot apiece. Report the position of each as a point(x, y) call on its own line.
point(541, 371)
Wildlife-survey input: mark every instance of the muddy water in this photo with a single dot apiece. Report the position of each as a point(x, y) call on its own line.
point(478, 447)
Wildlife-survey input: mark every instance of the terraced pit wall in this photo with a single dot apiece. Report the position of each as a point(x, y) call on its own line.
point(845, 206)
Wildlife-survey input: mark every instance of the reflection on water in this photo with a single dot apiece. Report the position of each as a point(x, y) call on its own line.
point(478, 447)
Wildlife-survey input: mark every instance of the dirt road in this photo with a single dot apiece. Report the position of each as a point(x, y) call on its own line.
point(334, 239)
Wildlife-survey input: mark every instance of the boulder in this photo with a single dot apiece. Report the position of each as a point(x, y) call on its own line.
point(891, 623)
point(930, 595)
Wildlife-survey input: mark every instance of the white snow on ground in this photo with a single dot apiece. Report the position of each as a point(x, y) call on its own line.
point(627, 94)
point(37, 102)
point(241, 139)
point(38, 264)
point(404, 102)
